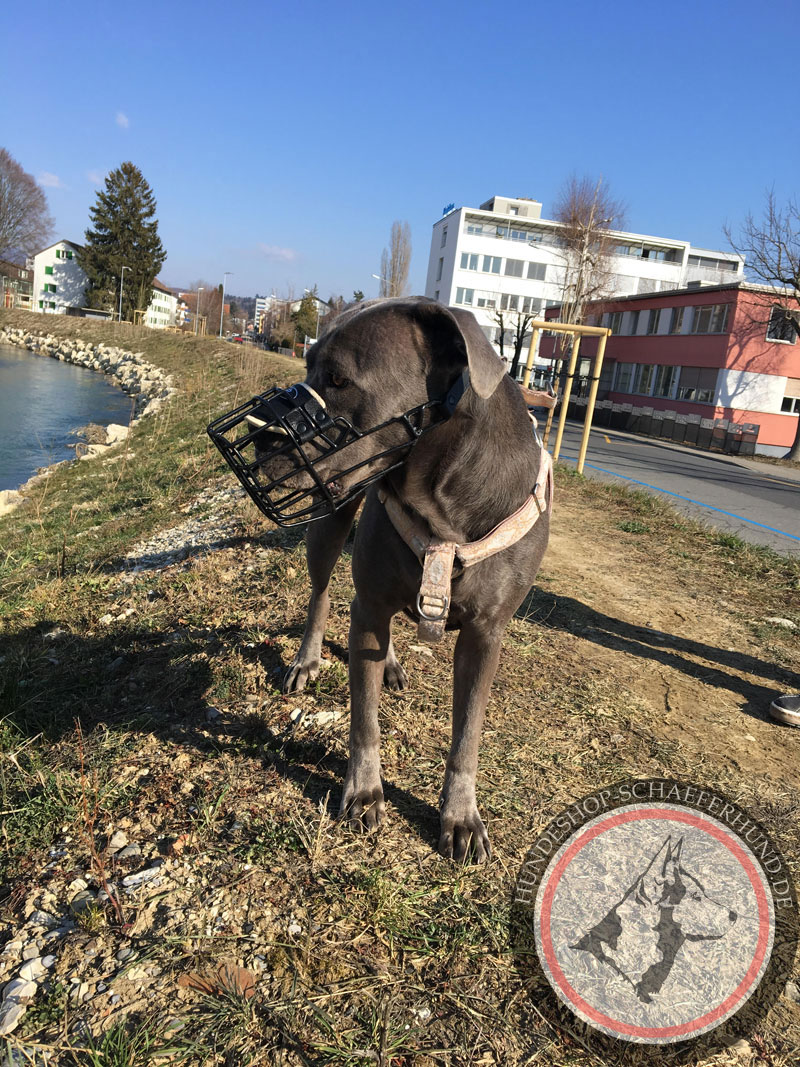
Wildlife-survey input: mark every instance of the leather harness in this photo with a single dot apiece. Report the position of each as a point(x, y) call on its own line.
point(438, 557)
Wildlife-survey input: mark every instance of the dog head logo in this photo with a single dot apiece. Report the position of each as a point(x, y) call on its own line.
point(640, 937)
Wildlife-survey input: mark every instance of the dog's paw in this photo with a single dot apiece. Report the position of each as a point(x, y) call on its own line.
point(299, 674)
point(364, 809)
point(394, 677)
point(465, 838)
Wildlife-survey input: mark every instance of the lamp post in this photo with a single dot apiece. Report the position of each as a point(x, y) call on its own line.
point(316, 335)
point(121, 283)
point(222, 306)
point(385, 282)
point(197, 309)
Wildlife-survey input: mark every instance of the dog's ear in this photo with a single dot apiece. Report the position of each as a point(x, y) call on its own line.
point(486, 369)
point(460, 329)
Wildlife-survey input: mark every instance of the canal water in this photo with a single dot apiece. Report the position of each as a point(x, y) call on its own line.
point(41, 402)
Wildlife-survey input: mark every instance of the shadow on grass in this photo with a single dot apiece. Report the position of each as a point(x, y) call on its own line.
point(671, 650)
point(162, 683)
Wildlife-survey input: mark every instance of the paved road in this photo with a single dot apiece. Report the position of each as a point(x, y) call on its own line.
point(757, 502)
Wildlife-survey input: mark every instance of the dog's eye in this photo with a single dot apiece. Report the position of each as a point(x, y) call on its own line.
point(338, 382)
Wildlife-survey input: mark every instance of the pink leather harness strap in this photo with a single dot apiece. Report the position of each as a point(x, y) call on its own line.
point(438, 557)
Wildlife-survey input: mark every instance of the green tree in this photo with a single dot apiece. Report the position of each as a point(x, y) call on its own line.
point(306, 316)
point(124, 233)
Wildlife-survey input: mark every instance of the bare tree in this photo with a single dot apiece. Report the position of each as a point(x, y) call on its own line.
point(587, 212)
point(25, 223)
point(771, 247)
point(396, 261)
point(516, 324)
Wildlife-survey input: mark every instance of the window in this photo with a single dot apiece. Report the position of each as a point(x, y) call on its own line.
point(624, 377)
point(69, 255)
point(697, 383)
point(665, 380)
point(615, 321)
point(711, 318)
point(531, 305)
point(676, 320)
point(653, 319)
point(491, 264)
point(465, 296)
point(486, 300)
point(469, 261)
point(643, 379)
point(782, 326)
point(791, 401)
point(537, 271)
point(58, 253)
point(633, 322)
point(49, 288)
point(508, 302)
point(439, 270)
point(444, 237)
point(514, 268)
point(48, 270)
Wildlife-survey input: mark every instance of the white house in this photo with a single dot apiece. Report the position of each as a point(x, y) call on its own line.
point(504, 255)
point(58, 282)
point(163, 307)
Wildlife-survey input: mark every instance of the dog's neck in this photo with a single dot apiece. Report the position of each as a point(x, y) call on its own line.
point(472, 471)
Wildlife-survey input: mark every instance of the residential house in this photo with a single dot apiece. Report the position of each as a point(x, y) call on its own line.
point(16, 285)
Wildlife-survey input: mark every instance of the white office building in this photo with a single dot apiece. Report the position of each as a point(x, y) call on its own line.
point(505, 256)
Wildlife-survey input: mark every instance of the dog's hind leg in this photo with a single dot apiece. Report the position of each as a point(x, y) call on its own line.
point(462, 830)
point(324, 543)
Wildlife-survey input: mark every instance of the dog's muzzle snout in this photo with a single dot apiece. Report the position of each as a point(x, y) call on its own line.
point(284, 447)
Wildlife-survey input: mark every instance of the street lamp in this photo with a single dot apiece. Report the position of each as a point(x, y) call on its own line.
point(197, 308)
point(222, 308)
point(121, 283)
point(316, 335)
point(386, 282)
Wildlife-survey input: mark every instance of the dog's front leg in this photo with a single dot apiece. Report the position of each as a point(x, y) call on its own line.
point(462, 830)
point(324, 543)
point(362, 797)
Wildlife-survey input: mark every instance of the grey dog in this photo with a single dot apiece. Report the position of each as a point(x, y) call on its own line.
point(460, 480)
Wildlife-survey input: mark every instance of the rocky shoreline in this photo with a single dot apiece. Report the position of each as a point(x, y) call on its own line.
point(149, 386)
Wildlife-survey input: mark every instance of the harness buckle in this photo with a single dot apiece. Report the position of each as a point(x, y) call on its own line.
point(438, 604)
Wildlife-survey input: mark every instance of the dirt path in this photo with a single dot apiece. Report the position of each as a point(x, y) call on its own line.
point(687, 650)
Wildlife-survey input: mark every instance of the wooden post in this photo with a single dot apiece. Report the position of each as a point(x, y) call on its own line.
point(587, 426)
point(526, 378)
point(562, 418)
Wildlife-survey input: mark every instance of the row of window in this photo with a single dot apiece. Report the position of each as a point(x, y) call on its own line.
point(529, 305)
point(47, 304)
point(63, 253)
point(672, 383)
point(512, 268)
point(509, 232)
point(708, 318)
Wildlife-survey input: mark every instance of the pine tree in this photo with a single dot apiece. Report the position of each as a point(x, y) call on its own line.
point(124, 233)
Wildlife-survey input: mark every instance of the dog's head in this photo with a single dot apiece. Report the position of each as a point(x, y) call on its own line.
point(380, 377)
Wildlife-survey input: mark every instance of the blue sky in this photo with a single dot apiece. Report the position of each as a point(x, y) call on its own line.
point(281, 141)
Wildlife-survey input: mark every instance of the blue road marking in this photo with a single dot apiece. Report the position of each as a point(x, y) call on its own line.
point(688, 499)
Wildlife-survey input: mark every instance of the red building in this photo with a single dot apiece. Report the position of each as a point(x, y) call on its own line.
point(720, 352)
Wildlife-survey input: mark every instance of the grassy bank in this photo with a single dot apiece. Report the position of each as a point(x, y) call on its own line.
point(142, 699)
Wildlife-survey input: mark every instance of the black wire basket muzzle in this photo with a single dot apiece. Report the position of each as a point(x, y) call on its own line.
point(280, 445)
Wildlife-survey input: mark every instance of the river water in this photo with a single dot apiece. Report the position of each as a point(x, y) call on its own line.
point(41, 401)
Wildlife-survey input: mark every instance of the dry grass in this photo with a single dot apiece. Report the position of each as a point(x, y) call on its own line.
point(364, 949)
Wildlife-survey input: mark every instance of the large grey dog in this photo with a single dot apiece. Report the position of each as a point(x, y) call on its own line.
point(460, 480)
